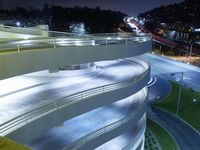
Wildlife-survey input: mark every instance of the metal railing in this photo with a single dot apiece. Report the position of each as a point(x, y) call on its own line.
point(77, 144)
point(21, 30)
point(35, 31)
point(39, 32)
point(66, 39)
point(44, 43)
point(49, 107)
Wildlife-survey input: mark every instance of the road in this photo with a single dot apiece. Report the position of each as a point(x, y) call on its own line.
point(186, 137)
point(163, 40)
point(125, 139)
point(38, 89)
point(165, 67)
point(42, 87)
point(156, 91)
point(75, 128)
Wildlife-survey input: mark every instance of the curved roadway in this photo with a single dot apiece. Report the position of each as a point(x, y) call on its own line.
point(54, 42)
point(24, 99)
point(128, 138)
point(75, 128)
point(154, 90)
point(164, 67)
point(185, 136)
point(50, 88)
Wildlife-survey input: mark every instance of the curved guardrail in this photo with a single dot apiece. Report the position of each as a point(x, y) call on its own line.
point(47, 108)
point(55, 42)
point(77, 144)
point(35, 31)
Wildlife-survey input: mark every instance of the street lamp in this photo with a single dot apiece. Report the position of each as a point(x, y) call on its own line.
point(18, 23)
point(194, 100)
point(179, 93)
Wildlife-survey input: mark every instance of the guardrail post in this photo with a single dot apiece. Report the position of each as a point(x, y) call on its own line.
point(18, 49)
point(56, 106)
point(106, 42)
point(54, 43)
point(126, 41)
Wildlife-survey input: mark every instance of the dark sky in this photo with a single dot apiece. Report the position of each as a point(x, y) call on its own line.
point(130, 7)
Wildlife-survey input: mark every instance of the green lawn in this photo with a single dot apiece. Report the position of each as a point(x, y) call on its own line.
point(6, 144)
point(189, 110)
point(165, 140)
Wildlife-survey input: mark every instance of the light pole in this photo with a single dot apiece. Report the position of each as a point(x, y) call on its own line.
point(179, 93)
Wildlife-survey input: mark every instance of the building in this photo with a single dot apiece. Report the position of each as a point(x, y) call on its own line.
point(127, 82)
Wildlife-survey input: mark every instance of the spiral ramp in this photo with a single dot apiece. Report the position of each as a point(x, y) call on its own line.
point(86, 92)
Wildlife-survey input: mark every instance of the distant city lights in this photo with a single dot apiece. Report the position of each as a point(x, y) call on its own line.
point(18, 23)
point(197, 30)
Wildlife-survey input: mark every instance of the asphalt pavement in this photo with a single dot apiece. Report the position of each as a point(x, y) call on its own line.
point(158, 87)
point(166, 67)
point(75, 128)
point(39, 89)
point(185, 136)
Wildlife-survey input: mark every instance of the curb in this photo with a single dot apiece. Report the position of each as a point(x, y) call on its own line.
point(166, 131)
point(161, 98)
point(174, 114)
point(177, 117)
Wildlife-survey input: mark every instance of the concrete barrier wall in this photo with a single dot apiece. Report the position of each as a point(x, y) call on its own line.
point(136, 122)
point(18, 63)
point(22, 62)
point(38, 127)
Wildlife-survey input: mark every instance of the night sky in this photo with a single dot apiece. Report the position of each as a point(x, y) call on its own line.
point(130, 7)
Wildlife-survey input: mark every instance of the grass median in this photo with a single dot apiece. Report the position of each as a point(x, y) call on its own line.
point(163, 137)
point(6, 144)
point(189, 108)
